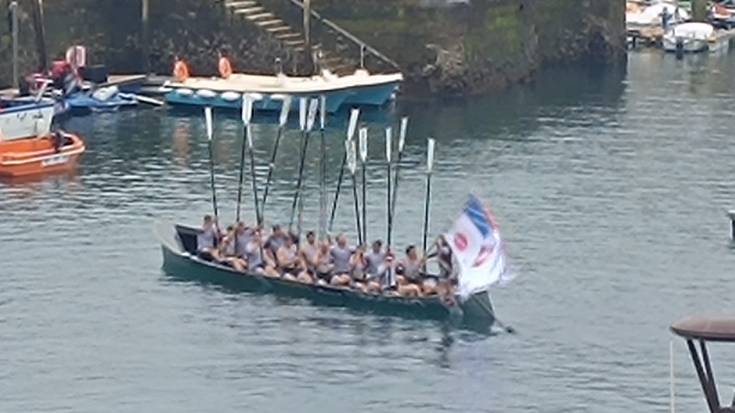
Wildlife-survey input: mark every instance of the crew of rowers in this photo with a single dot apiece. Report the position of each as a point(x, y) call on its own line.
point(247, 249)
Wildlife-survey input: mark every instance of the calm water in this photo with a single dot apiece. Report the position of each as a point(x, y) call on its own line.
point(611, 186)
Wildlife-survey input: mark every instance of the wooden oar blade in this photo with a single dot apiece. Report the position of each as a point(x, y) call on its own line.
point(352, 126)
point(388, 143)
point(302, 113)
point(363, 144)
point(430, 156)
point(285, 110)
point(208, 122)
point(402, 136)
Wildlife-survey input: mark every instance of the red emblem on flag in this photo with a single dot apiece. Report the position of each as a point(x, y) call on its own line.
point(460, 241)
point(484, 254)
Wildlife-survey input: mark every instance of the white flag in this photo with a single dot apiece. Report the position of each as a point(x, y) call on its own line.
point(478, 249)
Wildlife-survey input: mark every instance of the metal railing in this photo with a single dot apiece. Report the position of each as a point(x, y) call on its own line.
point(329, 38)
point(351, 37)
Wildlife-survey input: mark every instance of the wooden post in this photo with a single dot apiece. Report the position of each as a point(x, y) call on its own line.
point(38, 23)
point(307, 37)
point(14, 30)
point(145, 35)
point(699, 10)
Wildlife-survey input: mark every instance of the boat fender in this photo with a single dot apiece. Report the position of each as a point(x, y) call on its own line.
point(184, 92)
point(206, 94)
point(230, 96)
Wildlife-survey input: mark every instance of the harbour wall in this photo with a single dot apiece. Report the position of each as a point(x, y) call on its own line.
point(444, 47)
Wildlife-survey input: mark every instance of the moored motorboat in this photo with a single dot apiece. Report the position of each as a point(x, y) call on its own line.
point(55, 152)
point(689, 38)
point(24, 117)
point(179, 246)
point(101, 100)
point(358, 89)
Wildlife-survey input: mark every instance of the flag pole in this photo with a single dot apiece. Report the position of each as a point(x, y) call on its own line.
point(363, 164)
point(352, 164)
point(427, 202)
point(352, 126)
point(210, 132)
point(282, 121)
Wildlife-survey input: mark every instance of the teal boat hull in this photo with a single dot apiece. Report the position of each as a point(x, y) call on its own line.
point(180, 264)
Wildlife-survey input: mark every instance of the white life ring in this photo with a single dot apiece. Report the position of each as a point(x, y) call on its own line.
point(184, 92)
point(230, 96)
point(206, 94)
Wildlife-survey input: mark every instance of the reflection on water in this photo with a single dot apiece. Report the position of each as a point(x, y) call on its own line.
point(610, 185)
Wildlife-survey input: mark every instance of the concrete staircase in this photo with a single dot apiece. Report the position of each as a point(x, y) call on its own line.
point(253, 12)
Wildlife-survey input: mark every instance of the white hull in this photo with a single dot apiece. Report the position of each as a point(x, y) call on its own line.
point(687, 45)
point(246, 83)
point(23, 119)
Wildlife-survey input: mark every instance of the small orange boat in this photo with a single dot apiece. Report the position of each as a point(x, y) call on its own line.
point(55, 152)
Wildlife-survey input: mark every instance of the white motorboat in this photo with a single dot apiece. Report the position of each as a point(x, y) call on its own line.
point(638, 17)
point(25, 117)
point(689, 38)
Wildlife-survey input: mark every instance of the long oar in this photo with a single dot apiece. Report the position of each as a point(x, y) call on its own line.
point(247, 107)
point(322, 168)
point(313, 105)
point(282, 121)
point(352, 164)
point(210, 132)
point(247, 116)
point(363, 164)
point(388, 155)
point(427, 202)
point(389, 213)
point(401, 144)
point(351, 128)
point(303, 108)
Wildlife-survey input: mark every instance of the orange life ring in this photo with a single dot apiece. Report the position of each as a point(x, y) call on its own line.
point(225, 68)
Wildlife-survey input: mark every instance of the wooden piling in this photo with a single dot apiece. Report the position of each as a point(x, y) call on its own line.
point(40, 29)
point(307, 37)
point(14, 31)
point(145, 35)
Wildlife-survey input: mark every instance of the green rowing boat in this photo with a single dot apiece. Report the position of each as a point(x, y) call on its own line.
point(178, 243)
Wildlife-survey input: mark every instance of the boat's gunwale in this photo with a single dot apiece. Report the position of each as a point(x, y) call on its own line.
point(172, 246)
point(310, 86)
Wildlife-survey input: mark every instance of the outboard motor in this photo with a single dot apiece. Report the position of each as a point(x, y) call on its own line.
point(679, 48)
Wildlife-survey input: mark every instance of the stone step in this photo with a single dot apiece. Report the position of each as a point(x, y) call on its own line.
point(285, 36)
point(245, 3)
point(278, 29)
point(272, 22)
point(259, 16)
point(294, 43)
point(249, 10)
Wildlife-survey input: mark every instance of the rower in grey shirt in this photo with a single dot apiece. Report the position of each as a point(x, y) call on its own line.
point(243, 237)
point(376, 261)
point(341, 254)
point(207, 237)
